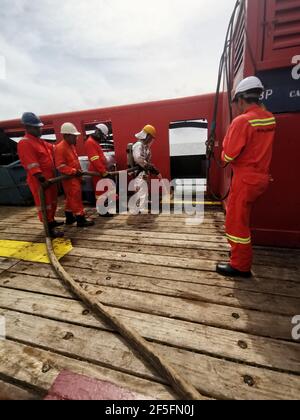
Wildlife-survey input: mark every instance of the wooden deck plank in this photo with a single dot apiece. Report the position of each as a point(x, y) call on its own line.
point(13, 211)
point(215, 331)
point(139, 219)
point(186, 291)
point(103, 275)
point(210, 251)
point(195, 236)
point(206, 221)
point(20, 213)
point(39, 368)
point(10, 392)
point(175, 262)
point(36, 226)
point(123, 267)
point(184, 335)
point(213, 250)
point(24, 218)
point(236, 319)
point(208, 243)
point(109, 350)
point(143, 227)
point(210, 247)
point(200, 230)
point(203, 250)
point(6, 263)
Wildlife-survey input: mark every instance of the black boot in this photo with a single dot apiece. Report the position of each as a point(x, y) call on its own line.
point(58, 224)
point(83, 222)
point(227, 270)
point(53, 232)
point(107, 215)
point(70, 218)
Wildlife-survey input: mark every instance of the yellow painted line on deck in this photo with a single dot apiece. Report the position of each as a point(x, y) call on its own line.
point(33, 252)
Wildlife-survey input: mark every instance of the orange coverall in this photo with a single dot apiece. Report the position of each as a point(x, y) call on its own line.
point(67, 163)
point(36, 156)
point(248, 147)
point(97, 161)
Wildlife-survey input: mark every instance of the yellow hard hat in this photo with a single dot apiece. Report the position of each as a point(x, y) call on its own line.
point(149, 129)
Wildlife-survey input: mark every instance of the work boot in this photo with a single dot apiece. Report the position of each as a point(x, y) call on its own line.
point(107, 215)
point(83, 222)
point(70, 218)
point(58, 224)
point(53, 232)
point(227, 270)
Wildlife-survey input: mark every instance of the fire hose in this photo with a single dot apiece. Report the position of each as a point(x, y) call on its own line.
point(183, 388)
point(224, 67)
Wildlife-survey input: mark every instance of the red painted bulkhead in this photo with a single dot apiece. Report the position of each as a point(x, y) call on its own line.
point(272, 39)
point(129, 120)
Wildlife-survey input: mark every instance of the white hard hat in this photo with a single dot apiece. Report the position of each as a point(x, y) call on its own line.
point(250, 83)
point(103, 128)
point(69, 128)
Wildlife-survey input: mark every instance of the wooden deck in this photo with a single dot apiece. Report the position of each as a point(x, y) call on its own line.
point(231, 339)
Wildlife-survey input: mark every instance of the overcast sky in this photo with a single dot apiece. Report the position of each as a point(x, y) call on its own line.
point(67, 55)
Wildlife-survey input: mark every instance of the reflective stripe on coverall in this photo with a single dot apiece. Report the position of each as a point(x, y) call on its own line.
point(67, 163)
point(248, 147)
point(36, 156)
point(97, 161)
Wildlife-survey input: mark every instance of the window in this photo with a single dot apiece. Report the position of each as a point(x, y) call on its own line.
point(8, 148)
point(188, 148)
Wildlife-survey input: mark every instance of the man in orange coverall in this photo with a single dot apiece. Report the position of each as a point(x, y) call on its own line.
point(248, 147)
point(37, 157)
point(67, 163)
point(97, 159)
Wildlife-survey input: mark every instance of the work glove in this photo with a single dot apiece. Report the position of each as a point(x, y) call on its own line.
point(152, 170)
point(46, 185)
point(40, 178)
point(155, 172)
point(43, 181)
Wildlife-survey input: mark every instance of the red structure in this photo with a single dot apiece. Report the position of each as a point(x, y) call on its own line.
point(126, 121)
point(265, 42)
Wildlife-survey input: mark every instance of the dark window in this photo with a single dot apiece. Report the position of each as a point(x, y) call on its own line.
point(188, 149)
point(8, 149)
